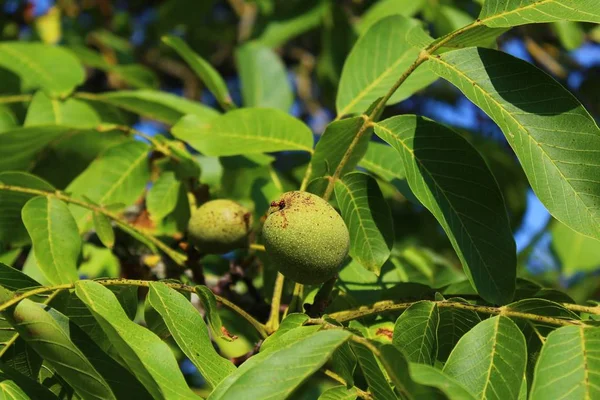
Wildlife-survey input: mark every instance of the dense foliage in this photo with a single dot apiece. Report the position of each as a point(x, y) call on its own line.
point(117, 121)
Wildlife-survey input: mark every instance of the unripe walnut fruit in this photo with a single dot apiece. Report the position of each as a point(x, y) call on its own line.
point(219, 226)
point(305, 238)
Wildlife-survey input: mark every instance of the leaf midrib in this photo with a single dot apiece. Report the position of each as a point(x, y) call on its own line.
point(532, 5)
point(520, 126)
point(265, 139)
point(377, 80)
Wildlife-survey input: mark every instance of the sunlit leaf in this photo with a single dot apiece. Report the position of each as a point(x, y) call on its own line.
point(245, 131)
point(104, 229)
point(385, 8)
point(45, 110)
point(416, 330)
point(49, 338)
point(162, 197)
point(154, 104)
point(291, 364)
point(333, 145)
point(377, 60)
point(575, 252)
point(505, 13)
point(190, 332)
point(383, 160)
point(554, 137)
point(52, 68)
point(490, 360)
point(339, 393)
point(119, 175)
point(55, 238)
point(428, 375)
point(569, 365)
point(263, 78)
point(209, 76)
point(150, 359)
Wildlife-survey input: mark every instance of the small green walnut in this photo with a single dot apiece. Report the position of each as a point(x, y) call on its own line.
point(219, 226)
point(305, 238)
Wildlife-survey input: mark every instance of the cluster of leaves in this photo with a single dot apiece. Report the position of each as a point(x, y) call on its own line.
point(401, 321)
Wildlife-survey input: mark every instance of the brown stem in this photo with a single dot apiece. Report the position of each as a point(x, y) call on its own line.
point(384, 306)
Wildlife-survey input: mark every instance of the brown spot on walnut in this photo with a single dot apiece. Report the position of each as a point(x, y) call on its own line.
point(388, 333)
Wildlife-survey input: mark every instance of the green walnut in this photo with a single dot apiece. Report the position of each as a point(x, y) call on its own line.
point(305, 238)
point(219, 226)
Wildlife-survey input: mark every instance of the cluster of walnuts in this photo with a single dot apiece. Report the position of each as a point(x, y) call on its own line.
point(304, 236)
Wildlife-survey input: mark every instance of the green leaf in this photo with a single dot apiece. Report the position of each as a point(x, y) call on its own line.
point(383, 161)
point(453, 181)
point(146, 356)
point(454, 323)
point(475, 36)
point(379, 387)
point(569, 365)
point(55, 238)
point(104, 229)
point(386, 8)
point(343, 363)
point(570, 33)
point(245, 131)
point(68, 156)
point(575, 252)
point(554, 137)
point(45, 110)
point(13, 379)
point(119, 175)
point(51, 68)
point(368, 218)
point(207, 74)
point(190, 332)
point(50, 340)
point(136, 76)
point(209, 303)
point(428, 375)
point(14, 351)
point(291, 321)
point(396, 365)
point(291, 364)
point(507, 13)
point(154, 104)
point(162, 197)
point(12, 229)
point(333, 144)
point(377, 60)
point(280, 30)
point(263, 78)
point(12, 391)
point(416, 330)
point(8, 119)
point(490, 360)
point(19, 147)
point(339, 393)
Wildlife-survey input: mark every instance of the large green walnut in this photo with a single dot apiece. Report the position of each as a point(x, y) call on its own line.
point(219, 226)
point(305, 238)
